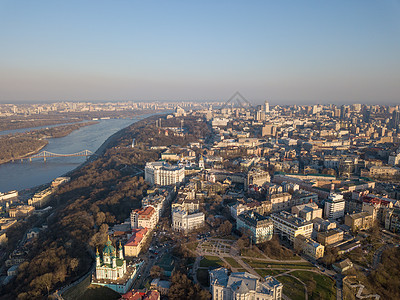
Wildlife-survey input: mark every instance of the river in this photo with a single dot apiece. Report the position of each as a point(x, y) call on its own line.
point(21, 175)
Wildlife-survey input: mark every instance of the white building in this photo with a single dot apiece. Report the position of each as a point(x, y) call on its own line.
point(243, 286)
point(290, 226)
point(334, 206)
point(261, 228)
point(183, 221)
point(161, 173)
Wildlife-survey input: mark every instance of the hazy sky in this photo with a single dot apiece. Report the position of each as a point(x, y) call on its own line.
point(284, 51)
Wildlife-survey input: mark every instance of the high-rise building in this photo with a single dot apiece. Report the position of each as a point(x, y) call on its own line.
point(266, 106)
point(334, 206)
point(395, 121)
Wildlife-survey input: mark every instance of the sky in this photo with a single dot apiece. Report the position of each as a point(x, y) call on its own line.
point(286, 52)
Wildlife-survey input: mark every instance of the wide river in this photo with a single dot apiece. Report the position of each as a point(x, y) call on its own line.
point(21, 175)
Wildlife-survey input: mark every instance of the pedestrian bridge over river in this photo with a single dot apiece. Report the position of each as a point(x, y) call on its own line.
point(47, 154)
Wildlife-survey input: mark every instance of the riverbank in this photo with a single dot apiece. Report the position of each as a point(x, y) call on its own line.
point(29, 177)
point(23, 145)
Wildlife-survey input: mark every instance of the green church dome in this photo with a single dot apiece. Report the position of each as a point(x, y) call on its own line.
point(108, 249)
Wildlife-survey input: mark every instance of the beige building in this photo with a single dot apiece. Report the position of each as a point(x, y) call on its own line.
point(330, 237)
point(269, 130)
point(136, 242)
point(280, 201)
point(144, 218)
point(257, 177)
point(21, 211)
point(309, 247)
point(384, 171)
point(308, 211)
point(359, 221)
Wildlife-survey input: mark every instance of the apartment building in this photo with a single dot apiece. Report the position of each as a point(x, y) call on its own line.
point(359, 221)
point(330, 237)
point(261, 229)
point(144, 218)
point(307, 211)
point(289, 226)
point(136, 242)
point(309, 247)
point(334, 206)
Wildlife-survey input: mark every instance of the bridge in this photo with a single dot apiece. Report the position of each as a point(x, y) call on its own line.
point(47, 154)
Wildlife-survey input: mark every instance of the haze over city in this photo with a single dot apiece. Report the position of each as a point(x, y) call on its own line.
point(306, 52)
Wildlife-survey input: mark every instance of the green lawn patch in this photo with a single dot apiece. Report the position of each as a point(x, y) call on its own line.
point(267, 264)
point(211, 261)
point(319, 286)
point(292, 288)
point(97, 292)
point(266, 272)
point(232, 262)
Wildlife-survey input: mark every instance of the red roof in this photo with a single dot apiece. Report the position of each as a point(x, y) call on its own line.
point(146, 213)
point(375, 201)
point(137, 236)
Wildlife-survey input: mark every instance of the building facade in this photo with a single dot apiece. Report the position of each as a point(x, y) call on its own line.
point(183, 221)
point(359, 221)
point(243, 286)
point(309, 247)
point(289, 226)
point(261, 229)
point(136, 242)
point(334, 206)
point(161, 173)
point(144, 218)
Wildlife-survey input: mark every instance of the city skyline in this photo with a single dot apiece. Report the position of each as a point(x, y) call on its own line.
point(286, 53)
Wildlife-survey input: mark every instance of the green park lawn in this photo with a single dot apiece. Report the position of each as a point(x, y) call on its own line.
point(211, 261)
point(325, 287)
point(232, 262)
point(292, 288)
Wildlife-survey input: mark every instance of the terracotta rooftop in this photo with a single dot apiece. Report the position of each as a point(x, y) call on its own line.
point(137, 236)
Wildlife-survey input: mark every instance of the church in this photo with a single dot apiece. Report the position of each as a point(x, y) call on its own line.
point(112, 267)
point(112, 270)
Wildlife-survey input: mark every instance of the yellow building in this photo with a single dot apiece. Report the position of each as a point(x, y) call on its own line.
point(359, 221)
point(309, 247)
point(136, 242)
